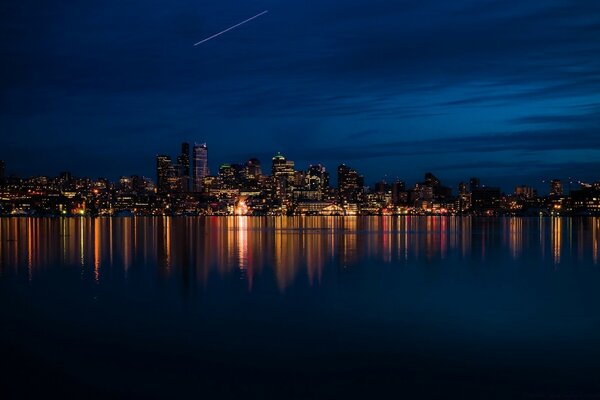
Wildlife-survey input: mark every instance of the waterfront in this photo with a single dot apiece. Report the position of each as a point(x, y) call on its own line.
point(301, 306)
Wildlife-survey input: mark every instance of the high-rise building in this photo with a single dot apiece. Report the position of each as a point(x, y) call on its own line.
point(183, 167)
point(350, 184)
point(283, 173)
point(317, 178)
point(200, 166)
point(399, 194)
point(253, 169)
point(164, 173)
point(556, 187)
point(2, 171)
point(231, 176)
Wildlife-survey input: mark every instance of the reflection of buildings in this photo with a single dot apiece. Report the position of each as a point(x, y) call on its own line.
point(556, 227)
point(286, 251)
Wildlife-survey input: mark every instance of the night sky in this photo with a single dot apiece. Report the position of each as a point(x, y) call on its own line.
point(505, 90)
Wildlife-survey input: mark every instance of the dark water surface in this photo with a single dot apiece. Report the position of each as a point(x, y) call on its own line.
point(300, 307)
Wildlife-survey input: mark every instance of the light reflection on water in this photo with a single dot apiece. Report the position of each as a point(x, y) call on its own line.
point(304, 307)
point(291, 247)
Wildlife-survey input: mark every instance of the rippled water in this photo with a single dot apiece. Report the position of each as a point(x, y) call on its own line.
point(301, 307)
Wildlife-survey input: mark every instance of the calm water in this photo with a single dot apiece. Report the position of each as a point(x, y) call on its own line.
point(303, 307)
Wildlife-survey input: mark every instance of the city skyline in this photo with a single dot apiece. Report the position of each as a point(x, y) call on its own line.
point(507, 87)
point(541, 186)
point(183, 185)
point(301, 199)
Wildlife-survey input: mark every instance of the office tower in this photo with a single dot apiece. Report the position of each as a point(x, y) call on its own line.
point(556, 187)
point(350, 184)
point(2, 170)
point(200, 166)
point(399, 194)
point(282, 171)
point(164, 172)
point(474, 184)
point(253, 169)
point(282, 167)
point(317, 178)
point(183, 167)
point(231, 176)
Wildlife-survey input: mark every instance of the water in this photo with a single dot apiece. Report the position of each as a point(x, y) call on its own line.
point(300, 307)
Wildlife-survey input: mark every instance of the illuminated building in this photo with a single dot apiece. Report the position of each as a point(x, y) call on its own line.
point(525, 192)
point(200, 166)
point(317, 179)
point(399, 193)
point(440, 192)
point(587, 199)
point(253, 169)
point(556, 188)
point(282, 168)
point(283, 174)
point(164, 172)
point(183, 167)
point(350, 184)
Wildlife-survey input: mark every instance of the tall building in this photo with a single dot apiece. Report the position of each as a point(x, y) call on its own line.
point(200, 166)
point(317, 178)
point(2, 171)
point(253, 169)
point(556, 187)
point(350, 184)
point(283, 172)
point(399, 194)
point(231, 176)
point(183, 167)
point(164, 173)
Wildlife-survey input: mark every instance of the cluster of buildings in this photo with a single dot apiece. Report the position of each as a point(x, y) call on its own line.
point(184, 185)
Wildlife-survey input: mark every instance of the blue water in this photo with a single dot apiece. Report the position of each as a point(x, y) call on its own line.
point(300, 307)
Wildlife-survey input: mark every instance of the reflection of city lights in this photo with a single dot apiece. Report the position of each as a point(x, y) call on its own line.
point(293, 248)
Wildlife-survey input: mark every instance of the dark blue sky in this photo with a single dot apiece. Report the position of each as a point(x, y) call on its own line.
point(505, 90)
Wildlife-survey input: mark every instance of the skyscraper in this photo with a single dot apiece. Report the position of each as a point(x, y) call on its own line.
point(253, 168)
point(350, 184)
point(164, 171)
point(317, 178)
point(2, 172)
point(200, 166)
point(282, 171)
point(183, 167)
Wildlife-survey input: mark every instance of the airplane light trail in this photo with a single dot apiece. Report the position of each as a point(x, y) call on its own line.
point(230, 28)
